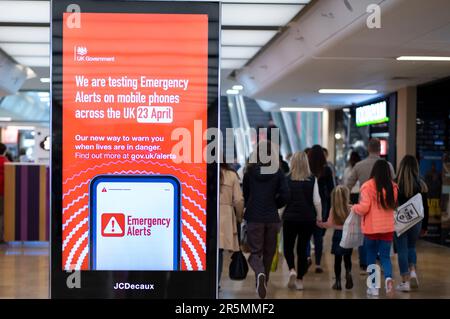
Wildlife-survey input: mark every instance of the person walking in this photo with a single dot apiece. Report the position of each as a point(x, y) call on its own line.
point(360, 174)
point(354, 191)
point(265, 190)
point(324, 175)
point(340, 209)
point(410, 184)
point(303, 211)
point(230, 211)
point(378, 200)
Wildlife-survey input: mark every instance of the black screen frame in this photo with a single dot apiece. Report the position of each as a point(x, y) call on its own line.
point(99, 284)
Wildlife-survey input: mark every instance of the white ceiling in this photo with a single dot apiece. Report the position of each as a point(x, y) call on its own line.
point(331, 47)
point(248, 25)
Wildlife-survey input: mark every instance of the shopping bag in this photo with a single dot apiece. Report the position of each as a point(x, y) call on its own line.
point(276, 257)
point(408, 214)
point(238, 267)
point(352, 236)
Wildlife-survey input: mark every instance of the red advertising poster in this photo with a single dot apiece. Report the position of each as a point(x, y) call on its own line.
point(134, 177)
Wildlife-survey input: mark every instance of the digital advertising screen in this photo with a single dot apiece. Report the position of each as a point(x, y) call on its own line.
point(132, 96)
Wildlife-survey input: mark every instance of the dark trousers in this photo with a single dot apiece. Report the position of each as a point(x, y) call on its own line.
point(262, 240)
point(302, 232)
point(318, 234)
point(337, 264)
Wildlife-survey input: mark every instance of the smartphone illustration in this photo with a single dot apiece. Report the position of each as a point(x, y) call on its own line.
point(135, 222)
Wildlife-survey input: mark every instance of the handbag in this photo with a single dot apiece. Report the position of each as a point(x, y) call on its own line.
point(408, 214)
point(276, 257)
point(352, 237)
point(238, 267)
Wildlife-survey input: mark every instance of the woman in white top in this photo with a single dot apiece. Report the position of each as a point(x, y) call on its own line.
point(354, 192)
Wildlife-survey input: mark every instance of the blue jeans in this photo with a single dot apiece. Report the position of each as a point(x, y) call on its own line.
point(383, 249)
point(406, 248)
point(362, 252)
point(318, 245)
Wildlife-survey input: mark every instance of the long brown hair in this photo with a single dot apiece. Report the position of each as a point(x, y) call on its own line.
point(381, 173)
point(340, 200)
point(408, 179)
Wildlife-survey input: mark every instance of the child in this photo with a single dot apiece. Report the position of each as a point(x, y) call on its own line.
point(378, 200)
point(340, 209)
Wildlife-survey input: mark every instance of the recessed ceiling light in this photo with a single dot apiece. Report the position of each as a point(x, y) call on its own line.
point(5, 119)
point(301, 109)
point(25, 11)
point(232, 92)
point(346, 91)
point(238, 87)
point(247, 37)
point(258, 14)
point(232, 63)
point(229, 52)
point(25, 34)
point(424, 58)
point(45, 80)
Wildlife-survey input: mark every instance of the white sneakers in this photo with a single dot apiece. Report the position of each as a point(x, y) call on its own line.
point(413, 280)
point(292, 278)
point(404, 287)
point(299, 284)
point(389, 285)
point(373, 292)
point(293, 282)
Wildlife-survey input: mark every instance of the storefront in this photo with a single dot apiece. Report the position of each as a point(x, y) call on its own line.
point(357, 124)
point(433, 147)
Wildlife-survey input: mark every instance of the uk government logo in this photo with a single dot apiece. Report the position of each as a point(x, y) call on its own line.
point(81, 54)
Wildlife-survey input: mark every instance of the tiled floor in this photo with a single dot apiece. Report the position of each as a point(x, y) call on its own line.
point(24, 273)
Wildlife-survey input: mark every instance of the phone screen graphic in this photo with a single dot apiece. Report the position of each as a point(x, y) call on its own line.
point(135, 223)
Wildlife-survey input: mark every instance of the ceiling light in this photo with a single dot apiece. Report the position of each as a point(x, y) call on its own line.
point(238, 87)
point(347, 91)
point(301, 109)
point(425, 58)
point(258, 14)
point(25, 11)
point(338, 136)
point(239, 52)
point(270, 1)
point(247, 37)
point(25, 34)
point(232, 92)
point(43, 94)
point(26, 49)
point(232, 63)
point(5, 119)
point(45, 80)
point(33, 60)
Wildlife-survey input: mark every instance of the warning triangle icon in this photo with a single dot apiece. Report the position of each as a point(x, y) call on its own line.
point(104, 190)
point(113, 227)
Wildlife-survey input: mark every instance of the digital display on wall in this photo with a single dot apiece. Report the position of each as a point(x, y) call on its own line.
point(131, 198)
point(372, 114)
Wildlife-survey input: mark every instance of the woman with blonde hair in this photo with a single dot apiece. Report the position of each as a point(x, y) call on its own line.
point(302, 213)
point(409, 185)
point(340, 209)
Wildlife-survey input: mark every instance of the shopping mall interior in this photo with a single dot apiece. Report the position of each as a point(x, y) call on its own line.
point(335, 73)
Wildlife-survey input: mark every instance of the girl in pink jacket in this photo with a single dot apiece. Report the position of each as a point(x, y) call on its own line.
point(378, 200)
